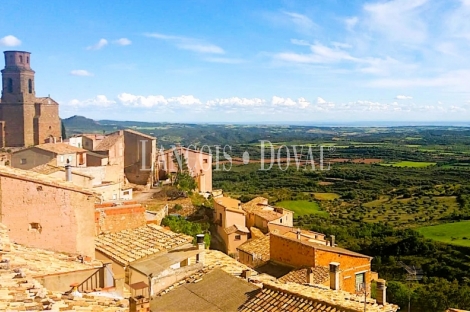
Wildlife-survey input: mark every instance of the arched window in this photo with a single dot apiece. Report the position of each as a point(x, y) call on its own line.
point(30, 85)
point(10, 85)
point(27, 60)
point(21, 58)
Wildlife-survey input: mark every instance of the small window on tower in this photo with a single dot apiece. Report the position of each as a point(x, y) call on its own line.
point(30, 86)
point(27, 60)
point(21, 58)
point(10, 85)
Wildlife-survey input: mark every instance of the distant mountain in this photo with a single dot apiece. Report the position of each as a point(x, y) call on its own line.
point(80, 122)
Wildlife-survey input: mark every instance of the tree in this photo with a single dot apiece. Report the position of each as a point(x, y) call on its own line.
point(64, 133)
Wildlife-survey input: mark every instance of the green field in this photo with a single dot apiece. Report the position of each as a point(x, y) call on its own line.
point(415, 164)
point(326, 196)
point(457, 233)
point(302, 207)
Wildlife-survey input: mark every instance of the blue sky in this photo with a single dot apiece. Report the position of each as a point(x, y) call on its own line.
point(253, 61)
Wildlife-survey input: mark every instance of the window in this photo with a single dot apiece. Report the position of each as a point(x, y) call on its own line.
point(23, 161)
point(61, 158)
point(34, 226)
point(27, 60)
point(114, 196)
point(204, 160)
point(126, 193)
point(280, 220)
point(238, 237)
point(21, 58)
point(360, 281)
point(10, 85)
point(30, 87)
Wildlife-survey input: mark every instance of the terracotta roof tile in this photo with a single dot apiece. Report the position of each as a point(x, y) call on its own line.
point(108, 142)
point(299, 276)
point(20, 291)
point(255, 204)
point(235, 228)
point(130, 245)
point(295, 297)
point(257, 247)
point(39, 178)
point(140, 134)
point(59, 148)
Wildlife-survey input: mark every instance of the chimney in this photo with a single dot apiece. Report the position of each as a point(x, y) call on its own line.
point(246, 274)
point(381, 296)
point(310, 276)
point(68, 172)
point(332, 240)
point(201, 247)
point(334, 275)
point(298, 233)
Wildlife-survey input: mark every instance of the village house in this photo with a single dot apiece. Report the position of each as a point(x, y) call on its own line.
point(130, 245)
point(230, 220)
point(44, 212)
point(198, 162)
point(124, 156)
point(349, 271)
point(60, 173)
point(260, 214)
point(58, 154)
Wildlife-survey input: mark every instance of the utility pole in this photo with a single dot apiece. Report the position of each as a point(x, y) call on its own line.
point(413, 274)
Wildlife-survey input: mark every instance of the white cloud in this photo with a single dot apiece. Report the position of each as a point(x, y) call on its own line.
point(302, 22)
point(301, 103)
point(236, 101)
point(10, 41)
point(399, 20)
point(351, 22)
point(320, 100)
point(80, 72)
point(201, 48)
point(403, 97)
point(123, 42)
point(224, 60)
point(99, 100)
point(100, 44)
point(156, 100)
point(190, 44)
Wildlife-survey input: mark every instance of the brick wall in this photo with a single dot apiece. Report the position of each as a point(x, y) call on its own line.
point(118, 218)
point(297, 254)
point(291, 252)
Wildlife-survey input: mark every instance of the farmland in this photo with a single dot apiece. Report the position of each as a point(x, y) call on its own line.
point(302, 207)
point(457, 233)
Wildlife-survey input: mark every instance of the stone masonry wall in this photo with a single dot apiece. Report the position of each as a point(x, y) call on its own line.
point(47, 217)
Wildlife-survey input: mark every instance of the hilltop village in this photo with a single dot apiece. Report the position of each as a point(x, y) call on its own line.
point(77, 233)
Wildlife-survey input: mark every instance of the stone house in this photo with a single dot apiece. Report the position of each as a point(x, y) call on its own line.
point(45, 212)
point(349, 271)
point(57, 154)
point(199, 166)
point(230, 220)
point(260, 214)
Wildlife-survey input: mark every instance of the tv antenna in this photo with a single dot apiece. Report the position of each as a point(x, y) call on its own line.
point(413, 275)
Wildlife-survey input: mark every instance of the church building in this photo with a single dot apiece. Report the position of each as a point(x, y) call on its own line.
point(25, 119)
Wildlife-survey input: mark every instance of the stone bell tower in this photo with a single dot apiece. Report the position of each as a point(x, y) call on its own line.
point(24, 119)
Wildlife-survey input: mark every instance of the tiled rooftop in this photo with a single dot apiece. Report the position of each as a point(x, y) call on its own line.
point(235, 228)
point(49, 168)
point(258, 247)
point(228, 202)
point(60, 148)
point(19, 291)
point(295, 297)
point(268, 215)
point(217, 259)
point(299, 276)
point(32, 176)
point(108, 141)
point(255, 204)
point(130, 245)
